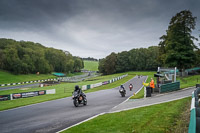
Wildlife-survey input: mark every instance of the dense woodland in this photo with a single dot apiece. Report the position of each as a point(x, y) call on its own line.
point(20, 57)
point(143, 59)
point(176, 49)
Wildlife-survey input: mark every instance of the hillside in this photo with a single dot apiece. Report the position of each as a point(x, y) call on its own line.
point(91, 65)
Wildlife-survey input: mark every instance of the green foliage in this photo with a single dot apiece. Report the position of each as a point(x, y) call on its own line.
point(177, 47)
point(20, 57)
point(91, 65)
point(155, 119)
point(143, 59)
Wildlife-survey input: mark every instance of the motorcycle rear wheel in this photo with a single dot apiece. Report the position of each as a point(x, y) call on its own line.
point(84, 101)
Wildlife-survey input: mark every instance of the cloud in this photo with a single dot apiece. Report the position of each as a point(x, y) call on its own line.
point(92, 28)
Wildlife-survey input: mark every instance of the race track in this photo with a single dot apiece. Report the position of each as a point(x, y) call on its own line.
point(55, 115)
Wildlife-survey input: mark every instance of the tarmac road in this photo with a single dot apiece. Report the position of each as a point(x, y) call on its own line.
point(55, 115)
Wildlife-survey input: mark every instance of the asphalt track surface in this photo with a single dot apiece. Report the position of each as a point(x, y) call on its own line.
point(53, 116)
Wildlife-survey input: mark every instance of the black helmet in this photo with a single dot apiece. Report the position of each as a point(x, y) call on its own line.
point(76, 87)
point(121, 85)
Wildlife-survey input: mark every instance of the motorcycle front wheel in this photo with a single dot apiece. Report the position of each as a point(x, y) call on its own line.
point(76, 102)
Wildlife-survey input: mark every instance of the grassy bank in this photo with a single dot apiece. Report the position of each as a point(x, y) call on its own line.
point(159, 118)
point(189, 81)
point(91, 65)
point(7, 77)
point(62, 90)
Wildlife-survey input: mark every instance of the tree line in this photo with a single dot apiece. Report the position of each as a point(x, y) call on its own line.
point(176, 49)
point(142, 59)
point(90, 59)
point(21, 57)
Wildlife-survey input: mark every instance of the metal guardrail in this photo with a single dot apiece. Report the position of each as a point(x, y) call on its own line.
point(194, 125)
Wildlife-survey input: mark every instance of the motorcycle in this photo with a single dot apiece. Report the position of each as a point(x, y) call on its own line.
point(130, 87)
point(79, 99)
point(122, 92)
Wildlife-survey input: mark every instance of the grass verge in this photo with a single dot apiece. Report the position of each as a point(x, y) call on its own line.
point(189, 81)
point(152, 119)
point(7, 77)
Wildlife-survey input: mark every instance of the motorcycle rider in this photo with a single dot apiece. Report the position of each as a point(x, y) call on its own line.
point(80, 92)
point(123, 88)
point(131, 87)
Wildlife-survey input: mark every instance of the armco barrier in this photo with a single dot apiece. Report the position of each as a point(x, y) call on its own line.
point(170, 87)
point(86, 87)
point(194, 125)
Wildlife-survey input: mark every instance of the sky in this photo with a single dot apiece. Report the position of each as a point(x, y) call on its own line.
point(92, 28)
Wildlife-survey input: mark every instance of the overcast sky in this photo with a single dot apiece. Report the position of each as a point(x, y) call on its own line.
point(91, 28)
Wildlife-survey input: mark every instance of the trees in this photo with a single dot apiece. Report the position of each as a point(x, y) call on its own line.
point(78, 64)
point(134, 60)
point(22, 57)
point(177, 46)
point(110, 63)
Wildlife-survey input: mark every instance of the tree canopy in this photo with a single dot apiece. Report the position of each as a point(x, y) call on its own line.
point(176, 48)
point(22, 57)
point(143, 59)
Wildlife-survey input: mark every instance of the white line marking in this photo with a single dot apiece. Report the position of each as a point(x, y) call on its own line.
point(81, 122)
point(131, 95)
point(149, 104)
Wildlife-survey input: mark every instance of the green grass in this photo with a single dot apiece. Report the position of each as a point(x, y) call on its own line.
point(158, 118)
point(6, 77)
point(62, 90)
point(189, 81)
point(91, 65)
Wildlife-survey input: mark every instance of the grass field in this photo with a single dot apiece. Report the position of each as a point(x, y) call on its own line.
point(91, 65)
point(6, 77)
point(160, 118)
point(189, 81)
point(62, 90)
